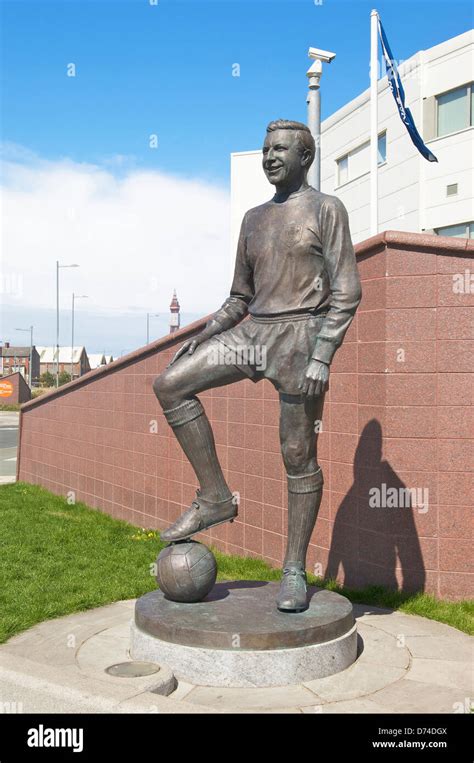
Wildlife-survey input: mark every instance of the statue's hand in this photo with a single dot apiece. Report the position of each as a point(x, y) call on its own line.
point(184, 347)
point(316, 379)
point(190, 344)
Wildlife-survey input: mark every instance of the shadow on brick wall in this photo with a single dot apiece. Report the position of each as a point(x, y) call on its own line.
point(375, 537)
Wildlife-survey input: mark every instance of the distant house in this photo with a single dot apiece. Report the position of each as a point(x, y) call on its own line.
point(17, 359)
point(78, 358)
point(97, 359)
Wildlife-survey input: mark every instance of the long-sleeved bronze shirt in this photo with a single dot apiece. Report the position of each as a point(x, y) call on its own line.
point(297, 256)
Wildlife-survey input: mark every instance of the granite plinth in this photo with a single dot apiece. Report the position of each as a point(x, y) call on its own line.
point(237, 637)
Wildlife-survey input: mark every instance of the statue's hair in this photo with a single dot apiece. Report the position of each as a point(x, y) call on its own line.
point(305, 138)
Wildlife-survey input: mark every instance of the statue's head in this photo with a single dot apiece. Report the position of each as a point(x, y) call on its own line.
point(288, 152)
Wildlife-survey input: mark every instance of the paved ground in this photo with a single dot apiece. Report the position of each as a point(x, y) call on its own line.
point(8, 445)
point(406, 664)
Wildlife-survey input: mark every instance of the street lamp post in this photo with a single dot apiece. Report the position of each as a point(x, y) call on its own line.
point(57, 315)
point(314, 109)
point(148, 316)
point(30, 371)
point(74, 297)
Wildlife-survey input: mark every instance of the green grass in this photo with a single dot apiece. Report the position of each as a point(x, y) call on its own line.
point(57, 558)
point(10, 406)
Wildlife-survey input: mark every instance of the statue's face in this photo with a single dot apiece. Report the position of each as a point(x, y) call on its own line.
point(283, 161)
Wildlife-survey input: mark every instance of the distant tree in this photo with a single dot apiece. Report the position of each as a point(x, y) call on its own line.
point(64, 377)
point(47, 379)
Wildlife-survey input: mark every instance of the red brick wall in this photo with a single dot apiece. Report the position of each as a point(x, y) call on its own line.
point(398, 413)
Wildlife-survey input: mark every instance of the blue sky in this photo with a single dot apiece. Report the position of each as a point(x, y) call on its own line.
point(166, 69)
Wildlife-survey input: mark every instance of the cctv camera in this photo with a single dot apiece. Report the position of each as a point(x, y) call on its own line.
point(321, 55)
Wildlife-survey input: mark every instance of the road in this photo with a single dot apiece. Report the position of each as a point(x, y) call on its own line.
point(8, 445)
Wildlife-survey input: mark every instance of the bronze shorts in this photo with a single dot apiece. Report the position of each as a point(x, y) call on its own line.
point(277, 348)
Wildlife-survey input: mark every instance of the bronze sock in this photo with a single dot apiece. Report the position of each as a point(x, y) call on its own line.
point(304, 499)
point(193, 432)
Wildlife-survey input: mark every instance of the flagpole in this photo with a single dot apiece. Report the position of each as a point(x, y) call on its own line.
point(374, 191)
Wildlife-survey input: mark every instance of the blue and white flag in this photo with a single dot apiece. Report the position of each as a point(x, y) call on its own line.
point(399, 94)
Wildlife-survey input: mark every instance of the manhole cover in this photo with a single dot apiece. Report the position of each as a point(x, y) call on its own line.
point(132, 669)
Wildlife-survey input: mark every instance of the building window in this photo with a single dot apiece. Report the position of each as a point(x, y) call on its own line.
point(462, 230)
point(343, 169)
point(382, 148)
point(357, 162)
point(454, 110)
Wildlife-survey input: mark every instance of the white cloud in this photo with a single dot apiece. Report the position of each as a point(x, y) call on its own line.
point(136, 236)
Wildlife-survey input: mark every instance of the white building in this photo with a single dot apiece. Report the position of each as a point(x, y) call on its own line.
point(414, 194)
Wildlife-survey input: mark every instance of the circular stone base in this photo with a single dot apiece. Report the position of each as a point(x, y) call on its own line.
point(237, 637)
